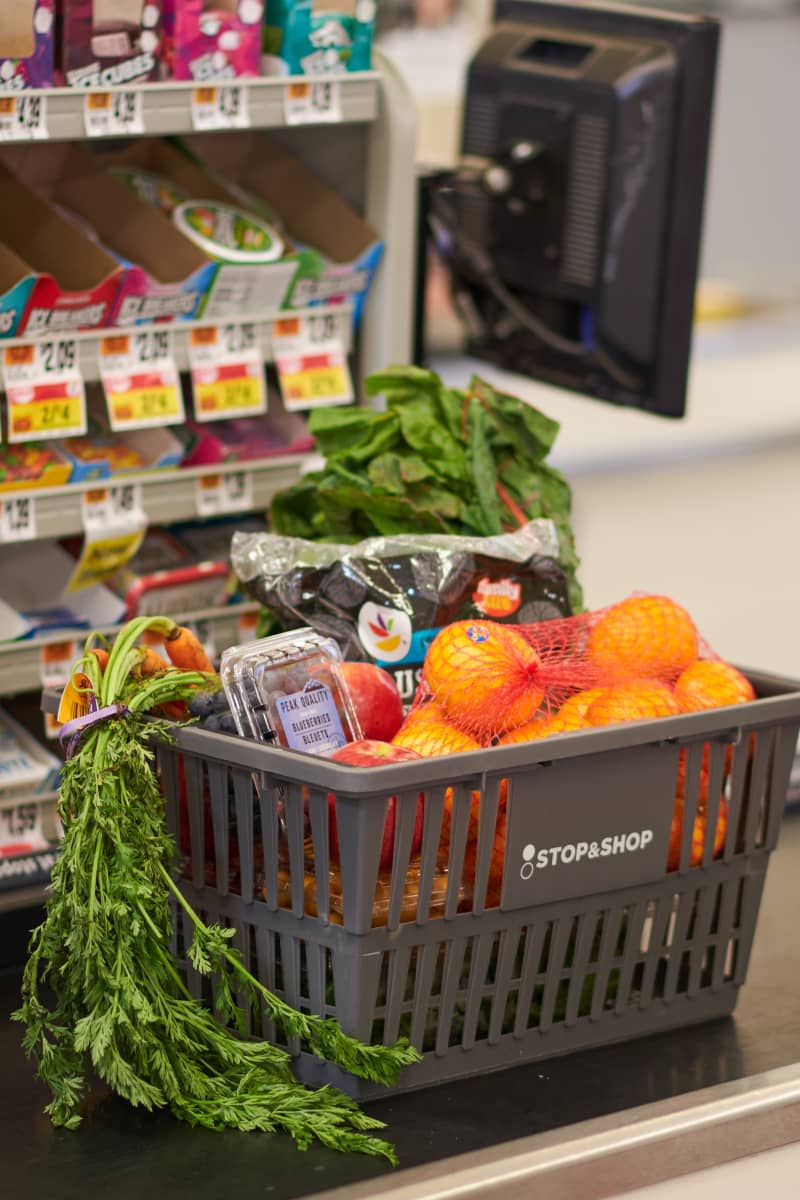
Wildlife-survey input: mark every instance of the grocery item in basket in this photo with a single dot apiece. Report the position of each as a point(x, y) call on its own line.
point(193, 1060)
point(708, 683)
point(640, 659)
point(381, 902)
point(377, 754)
point(288, 690)
point(385, 599)
point(227, 234)
point(437, 460)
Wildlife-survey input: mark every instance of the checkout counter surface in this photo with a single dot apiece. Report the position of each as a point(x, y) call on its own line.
point(576, 1125)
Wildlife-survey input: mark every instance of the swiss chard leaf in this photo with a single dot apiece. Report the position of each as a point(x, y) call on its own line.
point(337, 429)
point(429, 438)
point(482, 468)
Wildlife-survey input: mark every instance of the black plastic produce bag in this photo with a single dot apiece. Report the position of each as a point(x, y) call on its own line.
point(385, 599)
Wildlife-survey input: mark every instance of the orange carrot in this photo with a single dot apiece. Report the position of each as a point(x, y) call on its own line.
point(176, 710)
point(152, 662)
point(185, 651)
point(101, 656)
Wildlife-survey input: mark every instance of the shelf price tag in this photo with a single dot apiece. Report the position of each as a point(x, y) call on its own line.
point(45, 396)
point(120, 504)
point(221, 106)
point(227, 372)
point(140, 380)
point(21, 829)
point(114, 524)
point(228, 493)
point(23, 116)
point(312, 102)
point(113, 114)
point(311, 363)
point(17, 519)
point(55, 662)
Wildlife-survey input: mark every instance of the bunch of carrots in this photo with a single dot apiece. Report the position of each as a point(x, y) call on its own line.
point(116, 1002)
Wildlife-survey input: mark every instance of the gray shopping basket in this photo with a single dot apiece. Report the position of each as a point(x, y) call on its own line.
point(549, 899)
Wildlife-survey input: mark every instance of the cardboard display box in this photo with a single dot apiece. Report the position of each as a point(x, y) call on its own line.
point(160, 272)
point(340, 251)
point(73, 281)
point(17, 281)
point(102, 43)
point(235, 290)
point(27, 41)
point(219, 40)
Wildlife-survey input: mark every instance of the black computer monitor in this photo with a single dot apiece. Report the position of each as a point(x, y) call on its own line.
point(572, 224)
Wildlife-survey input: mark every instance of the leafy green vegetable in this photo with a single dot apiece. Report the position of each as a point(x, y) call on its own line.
point(437, 460)
point(121, 1005)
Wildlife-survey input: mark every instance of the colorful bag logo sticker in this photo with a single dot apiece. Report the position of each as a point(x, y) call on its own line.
point(385, 633)
point(497, 598)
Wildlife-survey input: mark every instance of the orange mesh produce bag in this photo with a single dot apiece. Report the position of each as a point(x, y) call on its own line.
point(633, 660)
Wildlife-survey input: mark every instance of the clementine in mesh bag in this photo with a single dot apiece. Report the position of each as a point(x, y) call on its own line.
point(636, 701)
point(484, 676)
point(427, 730)
point(698, 833)
point(711, 683)
point(471, 851)
point(643, 636)
point(494, 884)
point(560, 722)
point(579, 704)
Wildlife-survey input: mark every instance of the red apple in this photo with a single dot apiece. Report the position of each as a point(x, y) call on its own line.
point(374, 753)
point(376, 700)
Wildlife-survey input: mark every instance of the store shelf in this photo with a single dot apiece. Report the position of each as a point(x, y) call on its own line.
point(336, 320)
point(167, 107)
point(165, 496)
point(21, 662)
point(31, 896)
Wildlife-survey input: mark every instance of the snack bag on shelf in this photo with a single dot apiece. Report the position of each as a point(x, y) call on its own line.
point(27, 33)
point(385, 599)
point(104, 43)
point(211, 39)
point(318, 37)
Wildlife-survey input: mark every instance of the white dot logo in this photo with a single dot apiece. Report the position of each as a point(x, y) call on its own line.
point(42, 21)
point(528, 855)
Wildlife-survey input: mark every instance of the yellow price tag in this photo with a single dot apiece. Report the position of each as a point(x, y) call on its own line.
point(227, 397)
point(102, 556)
point(140, 380)
point(159, 405)
point(313, 385)
point(46, 418)
point(45, 396)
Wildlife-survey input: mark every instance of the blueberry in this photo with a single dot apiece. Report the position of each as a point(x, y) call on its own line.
point(212, 723)
point(227, 724)
point(220, 702)
point(201, 704)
